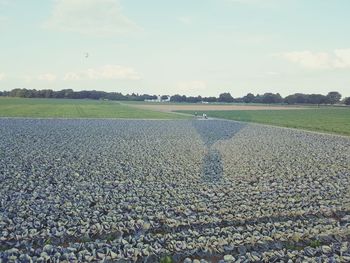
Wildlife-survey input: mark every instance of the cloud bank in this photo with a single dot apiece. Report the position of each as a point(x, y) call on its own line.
point(336, 59)
point(47, 77)
point(106, 72)
point(90, 17)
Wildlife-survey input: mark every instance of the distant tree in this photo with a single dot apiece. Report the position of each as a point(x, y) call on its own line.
point(278, 98)
point(147, 97)
point(134, 97)
point(297, 98)
point(272, 98)
point(347, 101)
point(194, 99)
point(210, 99)
point(316, 99)
point(31, 93)
point(300, 98)
point(225, 97)
point(290, 99)
point(67, 93)
point(139, 97)
point(238, 100)
point(249, 98)
point(333, 97)
point(46, 93)
point(115, 96)
point(258, 98)
point(178, 98)
point(175, 98)
point(1, 93)
point(164, 97)
point(18, 93)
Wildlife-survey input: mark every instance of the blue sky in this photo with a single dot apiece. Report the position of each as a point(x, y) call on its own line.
point(165, 47)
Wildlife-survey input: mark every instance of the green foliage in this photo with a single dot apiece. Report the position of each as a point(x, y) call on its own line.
point(69, 108)
point(110, 237)
point(315, 243)
point(48, 241)
point(331, 120)
point(347, 101)
point(3, 248)
point(333, 97)
point(225, 97)
point(272, 98)
point(300, 98)
point(166, 259)
point(85, 239)
point(267, 98)
point(249, 98)
point(71, 94)
point(292, 246)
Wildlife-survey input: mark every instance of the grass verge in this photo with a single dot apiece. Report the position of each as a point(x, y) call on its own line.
point(329, 120)
point(69, 108)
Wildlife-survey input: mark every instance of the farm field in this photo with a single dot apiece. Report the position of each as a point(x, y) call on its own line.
point(69, 108)
point(171, 191)
point(331, 120)
point(173, 107)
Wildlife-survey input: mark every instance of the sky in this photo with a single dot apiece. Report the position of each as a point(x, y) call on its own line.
point(191, 47)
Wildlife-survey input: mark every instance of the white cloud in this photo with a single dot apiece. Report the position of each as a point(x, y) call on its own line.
point(260, 3)
point(272, 73)
point(27, 78)
point(192, 87)
point(4, 2)
point(308, 59)
point(252, 39)
point(343, 58)
point(92, 17)
point(105, 72)
point(3, 21)
point(2, 76)
point(47, 77)
point(247, 1)
point(337, 59)
point(72, 76)
point(186, 20)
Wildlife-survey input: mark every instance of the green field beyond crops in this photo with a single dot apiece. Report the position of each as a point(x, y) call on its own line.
point(65, 108)
point(332, 120)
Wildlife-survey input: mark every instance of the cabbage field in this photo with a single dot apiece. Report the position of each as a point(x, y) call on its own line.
point(171, 191)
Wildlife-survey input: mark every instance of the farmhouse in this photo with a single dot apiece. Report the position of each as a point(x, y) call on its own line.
point(159, 98)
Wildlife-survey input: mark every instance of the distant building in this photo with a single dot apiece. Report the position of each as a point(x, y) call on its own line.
point(166, 100)
point(159, 99)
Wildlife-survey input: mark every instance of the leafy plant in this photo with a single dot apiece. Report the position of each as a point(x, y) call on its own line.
point(85, 239)
point(48, 241)
point(315, 243)
point(292, 246)
point(166, 259)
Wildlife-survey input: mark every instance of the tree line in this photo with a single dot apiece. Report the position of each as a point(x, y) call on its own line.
point(71, 94)
point(332, 97)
